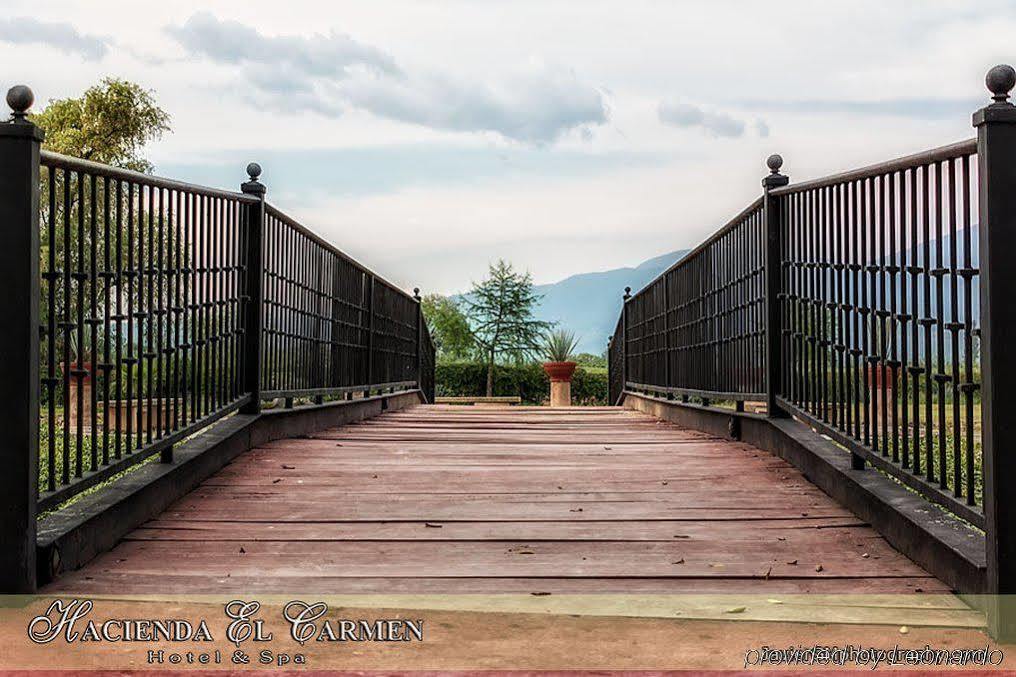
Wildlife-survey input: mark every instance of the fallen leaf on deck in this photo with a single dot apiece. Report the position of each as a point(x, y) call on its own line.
point(242, 551)
point(432, 526)
point(793, 562)
point(775, 601)
point(818, 567)
point(539, 594)
point(680, 561)
point(288, 467)
point(735, 610)
point(904, 630)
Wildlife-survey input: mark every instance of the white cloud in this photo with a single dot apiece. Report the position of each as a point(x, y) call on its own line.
point(328, 73)
point(714, 123)
point(61, 35)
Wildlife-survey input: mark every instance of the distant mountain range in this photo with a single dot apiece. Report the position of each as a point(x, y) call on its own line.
point(589, 303)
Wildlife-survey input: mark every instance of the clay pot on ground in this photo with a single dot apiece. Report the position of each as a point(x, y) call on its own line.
point(879, 374)
point(560, 374)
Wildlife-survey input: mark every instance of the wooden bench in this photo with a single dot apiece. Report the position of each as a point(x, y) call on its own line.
point(479, 401)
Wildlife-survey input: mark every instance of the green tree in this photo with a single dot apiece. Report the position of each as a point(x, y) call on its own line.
point(590, 360)
point(500, 312)
point(449, 328)
point(110, 123)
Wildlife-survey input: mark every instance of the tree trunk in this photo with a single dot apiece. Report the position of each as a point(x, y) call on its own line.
point(490, 376)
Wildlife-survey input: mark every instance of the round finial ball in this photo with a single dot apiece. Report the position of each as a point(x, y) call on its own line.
point(416, 291)
point(1000, 80)
point(253, 171)
point(774, 162)
point(20, 98)
point(627, 290)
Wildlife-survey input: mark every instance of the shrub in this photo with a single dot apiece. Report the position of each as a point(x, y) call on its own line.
point(528, 381)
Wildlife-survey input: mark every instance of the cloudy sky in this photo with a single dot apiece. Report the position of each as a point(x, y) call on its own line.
point(427, 137)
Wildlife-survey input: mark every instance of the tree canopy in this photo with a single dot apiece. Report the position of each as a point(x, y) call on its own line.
point(500, 312)
point(449, 328)
point(110, 123)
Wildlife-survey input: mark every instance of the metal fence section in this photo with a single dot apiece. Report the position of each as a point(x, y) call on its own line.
point(699, 328)
point(146, 290)
point(880, 318)
point(615, 363)
point(331, 326)
point(141, 286)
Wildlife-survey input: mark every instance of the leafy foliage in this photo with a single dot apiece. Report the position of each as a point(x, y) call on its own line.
point(559, 345)
point(590, 360)
point(528, 381)
point(110, 123)
point(500, 311)
point(449, 328)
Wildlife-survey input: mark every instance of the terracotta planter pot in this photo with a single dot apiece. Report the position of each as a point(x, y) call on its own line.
point(560, 374)
point(559, 371)
point(879, 374)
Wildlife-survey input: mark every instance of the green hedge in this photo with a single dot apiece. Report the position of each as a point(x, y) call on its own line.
point(528, 381)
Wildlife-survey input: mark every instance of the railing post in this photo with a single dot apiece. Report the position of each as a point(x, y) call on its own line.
point(419, 338)
point(773, 282)
point(20, 142)
point(624, 341)
point(254, 272)
point(996, 170)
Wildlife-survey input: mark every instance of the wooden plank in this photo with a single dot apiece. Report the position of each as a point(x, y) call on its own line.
point(445, 499)
point(93, 581)
point(845, 529)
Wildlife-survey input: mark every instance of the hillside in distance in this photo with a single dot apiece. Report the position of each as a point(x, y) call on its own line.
point(589, 303)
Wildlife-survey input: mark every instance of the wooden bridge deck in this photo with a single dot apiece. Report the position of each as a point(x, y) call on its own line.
point(480, 500)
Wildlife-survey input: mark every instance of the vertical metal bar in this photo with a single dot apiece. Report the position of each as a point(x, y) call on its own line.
point(52, 283)
point(107, 277)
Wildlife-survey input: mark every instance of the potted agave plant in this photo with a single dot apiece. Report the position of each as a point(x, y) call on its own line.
point(558, 349)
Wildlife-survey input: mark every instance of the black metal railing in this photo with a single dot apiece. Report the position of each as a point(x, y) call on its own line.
point(697, 330)
point(331, 326)
point(615, 362)
point(879, 318)
point(158, 307)
point(141, 286)
point(886, 294)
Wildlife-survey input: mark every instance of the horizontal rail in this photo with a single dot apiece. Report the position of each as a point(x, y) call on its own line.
point(51, 500)
point(73, 164)
point(940, 154)
point(928, 490)
point(325, 392)
point(693, 392)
